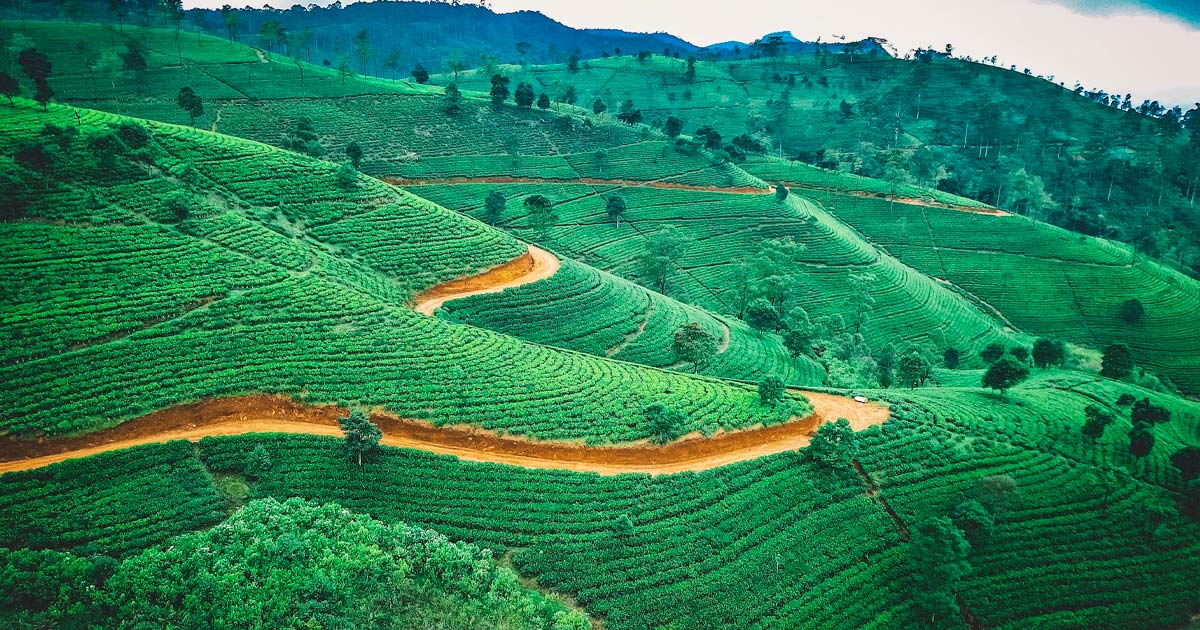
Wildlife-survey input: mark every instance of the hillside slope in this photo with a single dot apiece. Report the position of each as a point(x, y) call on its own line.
point(234, 267)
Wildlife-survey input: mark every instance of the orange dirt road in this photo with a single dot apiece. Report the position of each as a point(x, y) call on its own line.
point(536, 264)
point(278, 414)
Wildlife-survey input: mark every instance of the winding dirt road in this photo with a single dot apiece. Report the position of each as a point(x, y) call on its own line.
point(279, 414)
point(263, 413)
point(536, 264)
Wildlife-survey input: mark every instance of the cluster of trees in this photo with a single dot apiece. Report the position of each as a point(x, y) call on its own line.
point(327, 568)
point(36, 67)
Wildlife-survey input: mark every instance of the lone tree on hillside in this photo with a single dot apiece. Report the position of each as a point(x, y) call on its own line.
point(1131, 311)
point(543, 101)
point(1187, 460)
point(1117, 361)
point(656, 264)
point(629, 114)
point(190, 102)
point(665, 423)
point(420, 74)
point(453, 99)
point(355, 153)
point(499, 90)
point(1047, 352)
point(9, 87)
point(1004, 374)
point(524, 95)
point(598, 106)
point(937, 562)
point(1141, 440)
point(781, 192)
point(37, 67)
point(493, 207)
point(834, 445)
point(614, 207)
point(695, 345)
point(541, 214)
point(913, 370)
point(673, 127)
point(770, 390)
point(950, 358)
point(1097, 421)
point(361, 435)
point(258, 463)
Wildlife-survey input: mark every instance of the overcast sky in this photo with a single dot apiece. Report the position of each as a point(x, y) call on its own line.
point(1148, 47)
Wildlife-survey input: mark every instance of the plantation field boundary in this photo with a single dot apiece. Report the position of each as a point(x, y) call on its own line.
point(912, 201)
point(532, 266)
point(262, 413)
point(589, 181)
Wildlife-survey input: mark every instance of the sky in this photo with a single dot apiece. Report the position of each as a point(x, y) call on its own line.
point(1150, 48)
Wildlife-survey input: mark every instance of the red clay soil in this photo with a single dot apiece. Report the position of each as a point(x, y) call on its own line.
point(535, 264)
point(261, 413)
point(914, 201)
point(631, 183)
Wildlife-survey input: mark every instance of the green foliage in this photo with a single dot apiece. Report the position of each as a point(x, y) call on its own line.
point(975, 521)
point(937, 561)
point(524, 96)
point(541, 214)
point(1005, 373)
point(494, 204)
point(658, 261)
point(420, 74)
point(665, 424)
point(913, 369)
point(355, 153)
point(770, 390)
point(834, 445)
point(499, 90)
point(360, 435)
point(1117, 361)
point(1131, 311)
point(761, 315)
point(693, 344)
point(1047, 352)
point(781, 192)
point(951, 358)
point(258, 463)
point(1187, 460)
point(992, 352)
point(1097, 421)
point(1141, 440)
point(628, 114)
point(328, 568)
point(614, 208)
point(673, 127)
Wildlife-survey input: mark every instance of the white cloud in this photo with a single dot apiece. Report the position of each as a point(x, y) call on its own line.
point(1150, 55)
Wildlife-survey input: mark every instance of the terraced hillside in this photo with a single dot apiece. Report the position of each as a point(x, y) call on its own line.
point(235, 267)
point(1044, 280)
point(403, 129)
point(727, 228)
point(759, 543)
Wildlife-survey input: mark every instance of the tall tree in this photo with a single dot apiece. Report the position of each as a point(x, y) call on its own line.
point(673, 127)
point(834, 445)
point(355, 153)
point(362, 48)
point(524, 95)
point(190, 102)
point(232, 20)
point(615, 207)
point(361, 435)
point(420, 74)
point(37, 67)
point(1005, 373)
point(937, 562)
point(494, 207)
point(656, 263)
point(9, 87)
point(541, 214)
point(693, 344)
point(499, 91)
point(598, 106)
point(629, 114)
point(1047, 352)
point(770, 390)
point(453, 99)
point(1116, 361)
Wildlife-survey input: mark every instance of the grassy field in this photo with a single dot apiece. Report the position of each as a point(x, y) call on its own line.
point(767, 542)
